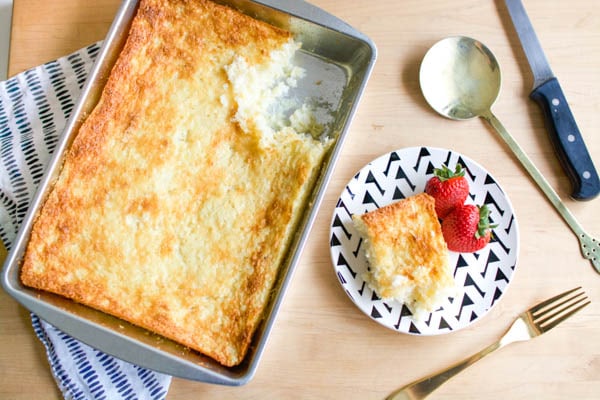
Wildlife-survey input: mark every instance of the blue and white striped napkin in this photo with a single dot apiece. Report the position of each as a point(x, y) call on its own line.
point(34, 108)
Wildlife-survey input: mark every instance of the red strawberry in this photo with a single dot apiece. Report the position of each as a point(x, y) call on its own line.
point(467, 228)
point(449, 189)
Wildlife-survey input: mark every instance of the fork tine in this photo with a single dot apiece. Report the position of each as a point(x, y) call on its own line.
point(555, 307)
point(543, 304)
point(547, 327)
point(547, 315)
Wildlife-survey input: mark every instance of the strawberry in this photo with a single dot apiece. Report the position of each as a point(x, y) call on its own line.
point(467, 228)
point(449, 189)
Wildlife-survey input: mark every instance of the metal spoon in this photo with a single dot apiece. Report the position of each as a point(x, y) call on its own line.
point(460, 78)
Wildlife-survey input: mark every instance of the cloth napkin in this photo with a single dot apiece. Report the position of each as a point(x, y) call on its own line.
point(34, 108)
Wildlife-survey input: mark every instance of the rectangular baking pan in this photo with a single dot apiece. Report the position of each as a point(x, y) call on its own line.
point(338, 61)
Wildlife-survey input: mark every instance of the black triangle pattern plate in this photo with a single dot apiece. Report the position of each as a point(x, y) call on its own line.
point(481, 277)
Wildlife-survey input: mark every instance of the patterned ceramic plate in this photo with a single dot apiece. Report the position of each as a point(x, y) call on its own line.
point(482, 277)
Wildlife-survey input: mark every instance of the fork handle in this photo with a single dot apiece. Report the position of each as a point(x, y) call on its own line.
point(423, 387)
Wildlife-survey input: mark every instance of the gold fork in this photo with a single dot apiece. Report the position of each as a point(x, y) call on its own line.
point(538, 319)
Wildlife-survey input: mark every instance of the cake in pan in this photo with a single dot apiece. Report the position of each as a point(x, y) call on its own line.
point(407, 255)
point(180, 194)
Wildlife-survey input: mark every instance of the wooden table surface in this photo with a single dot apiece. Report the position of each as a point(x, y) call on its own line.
point(322, 346)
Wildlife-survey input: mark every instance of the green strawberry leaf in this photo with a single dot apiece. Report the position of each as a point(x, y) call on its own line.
point(444, 173)
point(484, 222)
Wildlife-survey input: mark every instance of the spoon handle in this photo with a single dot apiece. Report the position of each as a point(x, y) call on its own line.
point(535, 173)
point(590, 247)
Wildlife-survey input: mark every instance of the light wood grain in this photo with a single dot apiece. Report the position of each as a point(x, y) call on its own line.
point(322, 346)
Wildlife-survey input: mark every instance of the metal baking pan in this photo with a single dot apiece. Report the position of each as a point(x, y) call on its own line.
point(338, 60)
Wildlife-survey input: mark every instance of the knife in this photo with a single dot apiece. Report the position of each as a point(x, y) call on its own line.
point(560, 123)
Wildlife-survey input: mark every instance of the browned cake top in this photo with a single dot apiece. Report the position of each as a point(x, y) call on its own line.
point(166, 213)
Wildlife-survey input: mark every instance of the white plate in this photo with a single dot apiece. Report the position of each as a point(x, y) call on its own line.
point(482, 277)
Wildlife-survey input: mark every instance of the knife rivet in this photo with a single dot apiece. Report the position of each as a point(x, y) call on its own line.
point(586, 174)
point(555, 102)
point(571, 138)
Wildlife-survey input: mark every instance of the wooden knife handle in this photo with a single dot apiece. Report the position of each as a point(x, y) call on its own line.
point(567, 140)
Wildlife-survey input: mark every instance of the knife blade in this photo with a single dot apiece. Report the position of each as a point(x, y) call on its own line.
point(560, 123)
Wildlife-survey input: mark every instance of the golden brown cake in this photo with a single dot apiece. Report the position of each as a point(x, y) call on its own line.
point(407, 254)
point(177, 200)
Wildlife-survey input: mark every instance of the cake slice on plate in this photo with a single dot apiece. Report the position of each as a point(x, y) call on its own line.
point(407, 255)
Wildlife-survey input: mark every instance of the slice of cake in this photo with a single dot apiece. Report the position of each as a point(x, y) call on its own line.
point(407, 254)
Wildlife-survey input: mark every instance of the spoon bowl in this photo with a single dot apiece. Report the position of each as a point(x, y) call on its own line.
point(460, 79)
